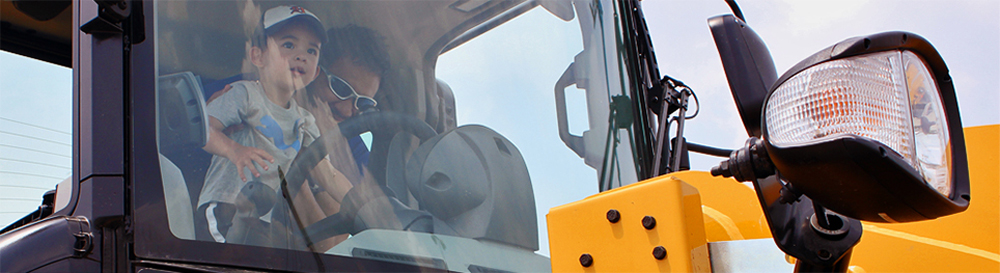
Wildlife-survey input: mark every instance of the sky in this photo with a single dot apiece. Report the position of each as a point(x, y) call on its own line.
point(34, 143)
point(36, 103)
point(966, 33)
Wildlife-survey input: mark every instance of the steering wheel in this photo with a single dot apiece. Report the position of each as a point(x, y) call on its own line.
point(379, 123)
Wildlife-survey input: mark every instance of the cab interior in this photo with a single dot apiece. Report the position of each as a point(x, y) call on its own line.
point(201, 43)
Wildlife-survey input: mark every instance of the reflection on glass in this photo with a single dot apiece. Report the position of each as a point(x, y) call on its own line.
point(260, 125)
point(930, 127)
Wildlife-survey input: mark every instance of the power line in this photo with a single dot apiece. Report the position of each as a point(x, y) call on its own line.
point(31, 174)
point(36, 163)
point(34, 150)
point(36, 126)
point(27, 187)
point(36, 138)
point(20, 199)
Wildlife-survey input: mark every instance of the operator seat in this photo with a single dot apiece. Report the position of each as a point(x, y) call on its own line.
point(473, 180)
point(180, 215)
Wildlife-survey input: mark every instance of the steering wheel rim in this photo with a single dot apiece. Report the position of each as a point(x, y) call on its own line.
point(375, 122)
point(309, 156)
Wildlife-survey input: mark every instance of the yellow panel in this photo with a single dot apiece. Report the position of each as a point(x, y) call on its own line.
point(731, 209)
point(582, 227)
point(964, 242)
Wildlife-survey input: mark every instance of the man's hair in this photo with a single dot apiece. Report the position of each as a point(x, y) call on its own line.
point(363, 45)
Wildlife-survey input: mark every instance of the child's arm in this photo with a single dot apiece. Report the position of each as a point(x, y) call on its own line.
point(242, 156)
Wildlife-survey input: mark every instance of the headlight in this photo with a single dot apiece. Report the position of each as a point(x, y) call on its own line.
point(862, 128)
point(888, 97)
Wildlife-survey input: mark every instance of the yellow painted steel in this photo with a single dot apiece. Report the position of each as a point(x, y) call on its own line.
point(582, 227)
point(731, 209)
point(965, 242)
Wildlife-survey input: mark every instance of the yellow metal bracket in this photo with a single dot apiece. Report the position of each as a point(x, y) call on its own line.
point(652, 226)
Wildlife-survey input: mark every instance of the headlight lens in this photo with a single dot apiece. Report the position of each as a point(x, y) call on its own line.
point(889, 97)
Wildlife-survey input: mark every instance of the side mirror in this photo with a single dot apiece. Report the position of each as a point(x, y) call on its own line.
point(748, 64)
point(869, 128)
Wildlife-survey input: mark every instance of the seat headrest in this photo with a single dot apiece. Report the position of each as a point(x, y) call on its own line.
point(180, 104)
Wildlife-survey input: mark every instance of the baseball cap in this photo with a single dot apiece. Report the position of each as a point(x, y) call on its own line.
point(277, 17)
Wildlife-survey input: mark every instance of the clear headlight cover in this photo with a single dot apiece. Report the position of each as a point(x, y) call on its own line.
point(889, 97)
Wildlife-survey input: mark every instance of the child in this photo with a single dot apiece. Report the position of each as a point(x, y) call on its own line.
point(285, 51)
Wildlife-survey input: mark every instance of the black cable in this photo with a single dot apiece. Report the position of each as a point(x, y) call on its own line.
point(675, 84)
point(736, 9)
point(708, 150)
point(696, 103)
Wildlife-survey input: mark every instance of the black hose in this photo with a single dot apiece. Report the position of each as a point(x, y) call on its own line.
point(708, 150)
point(736, 10)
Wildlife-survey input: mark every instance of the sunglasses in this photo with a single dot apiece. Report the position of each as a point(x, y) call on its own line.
point(344, 91)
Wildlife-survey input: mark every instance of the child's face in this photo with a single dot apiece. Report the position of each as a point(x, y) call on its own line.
point(291, 57)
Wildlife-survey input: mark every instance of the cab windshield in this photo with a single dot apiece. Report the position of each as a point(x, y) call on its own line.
point(431, 133)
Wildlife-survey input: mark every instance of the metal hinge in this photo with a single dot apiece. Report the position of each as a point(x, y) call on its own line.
point(109, 17)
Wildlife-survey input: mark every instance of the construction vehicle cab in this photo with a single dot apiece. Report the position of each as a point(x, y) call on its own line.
point(445, 187)
point(451, 161)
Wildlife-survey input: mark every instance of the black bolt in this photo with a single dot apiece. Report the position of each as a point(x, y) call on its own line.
point(824, 254)
point(648, 222)
point(614, 216)
point(659, 252)
point(586, 260)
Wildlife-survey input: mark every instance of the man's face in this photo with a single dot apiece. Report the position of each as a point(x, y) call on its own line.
point(364, 81)
point(291, 57)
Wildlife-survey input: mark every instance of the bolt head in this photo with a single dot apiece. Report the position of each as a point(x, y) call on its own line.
point(586, 260)
point(648, 222)
point(659, 252)
point(614, 216)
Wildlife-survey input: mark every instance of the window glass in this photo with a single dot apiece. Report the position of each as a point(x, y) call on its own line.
point(35, 146)
point(422, 132)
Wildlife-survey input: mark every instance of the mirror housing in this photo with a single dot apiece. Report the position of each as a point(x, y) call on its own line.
point(748, 64)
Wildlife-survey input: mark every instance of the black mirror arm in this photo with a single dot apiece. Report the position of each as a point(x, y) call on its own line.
point(819, 239)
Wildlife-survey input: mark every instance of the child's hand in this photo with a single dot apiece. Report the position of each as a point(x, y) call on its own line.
point(243, 156)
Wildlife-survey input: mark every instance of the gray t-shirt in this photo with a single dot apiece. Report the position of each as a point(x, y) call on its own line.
point(278, 131)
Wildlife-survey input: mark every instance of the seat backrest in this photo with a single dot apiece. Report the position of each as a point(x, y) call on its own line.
point(175, 191)
point(182, 129)
point(476, 181)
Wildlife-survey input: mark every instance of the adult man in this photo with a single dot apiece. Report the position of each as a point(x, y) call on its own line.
point(353, 63)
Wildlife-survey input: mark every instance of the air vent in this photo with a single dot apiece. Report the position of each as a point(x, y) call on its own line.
point(398, 258)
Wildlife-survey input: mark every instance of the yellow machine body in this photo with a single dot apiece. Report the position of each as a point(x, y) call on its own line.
point(583, 229)
point(693, 210)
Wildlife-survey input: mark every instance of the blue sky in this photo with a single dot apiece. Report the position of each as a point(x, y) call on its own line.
point(36, 104)
point(966, 33)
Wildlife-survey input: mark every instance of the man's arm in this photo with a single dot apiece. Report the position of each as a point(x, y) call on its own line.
point(333, 182)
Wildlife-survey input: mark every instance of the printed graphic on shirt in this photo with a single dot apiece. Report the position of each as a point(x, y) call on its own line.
point(272, 130)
